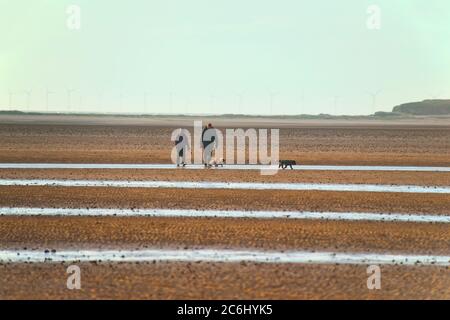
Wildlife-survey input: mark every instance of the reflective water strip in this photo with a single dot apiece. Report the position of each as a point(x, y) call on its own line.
point(226, 167)
point(212, 255)
point(344, 216)
point(230, 185)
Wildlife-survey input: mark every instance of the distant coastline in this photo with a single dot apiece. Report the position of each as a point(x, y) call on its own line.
point(425, 108)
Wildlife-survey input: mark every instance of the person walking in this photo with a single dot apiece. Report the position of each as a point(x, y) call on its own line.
point(204, 144)
point(207, 148)
point(181, 156)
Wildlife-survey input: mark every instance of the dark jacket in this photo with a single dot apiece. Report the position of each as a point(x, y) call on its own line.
point(205, 141)
point(177, 142)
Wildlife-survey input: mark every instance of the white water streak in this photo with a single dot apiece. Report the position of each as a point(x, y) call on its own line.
point(229, 185)
point(211, 255)
point(226, 167)
point(189, 213)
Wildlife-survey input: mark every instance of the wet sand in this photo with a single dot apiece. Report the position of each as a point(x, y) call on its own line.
point(93, 197)
point(221, 281)
point(319, 144)
point(274, 234)
point(288, 176)
point(87, 140)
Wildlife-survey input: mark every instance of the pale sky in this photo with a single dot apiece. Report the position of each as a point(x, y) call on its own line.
point(223, 56)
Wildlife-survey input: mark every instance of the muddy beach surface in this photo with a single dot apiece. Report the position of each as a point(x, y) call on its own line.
point(85, 140)
point(162, 280)
point(287, 176)
point(41, 233)
point(128, 198)
point(354, 144)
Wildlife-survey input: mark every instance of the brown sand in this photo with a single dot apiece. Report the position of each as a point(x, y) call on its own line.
point(364, 177)
point(86, 140)
point(137, 232)
point(335, 145)
point(74, 197)
point(221, 281)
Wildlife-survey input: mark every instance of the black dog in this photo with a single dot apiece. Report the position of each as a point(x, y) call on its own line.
point(287, 163)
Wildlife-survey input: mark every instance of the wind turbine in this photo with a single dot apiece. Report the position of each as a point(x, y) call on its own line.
point(47, 97)
point(435, 95)
point(171, 101)
point(272, 102)
point(69, 92)
point(240, 103)
point(187, 104)
point(28, 94)
point(81, 104)
point(302, 101)
point(100, 101)
point(121, 100)
point(212, 101)
point(336, 102)
point(374, 96)
point(10, 97)
point(146, 94)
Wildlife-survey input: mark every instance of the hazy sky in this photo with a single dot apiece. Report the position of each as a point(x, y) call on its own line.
point(223, 56)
